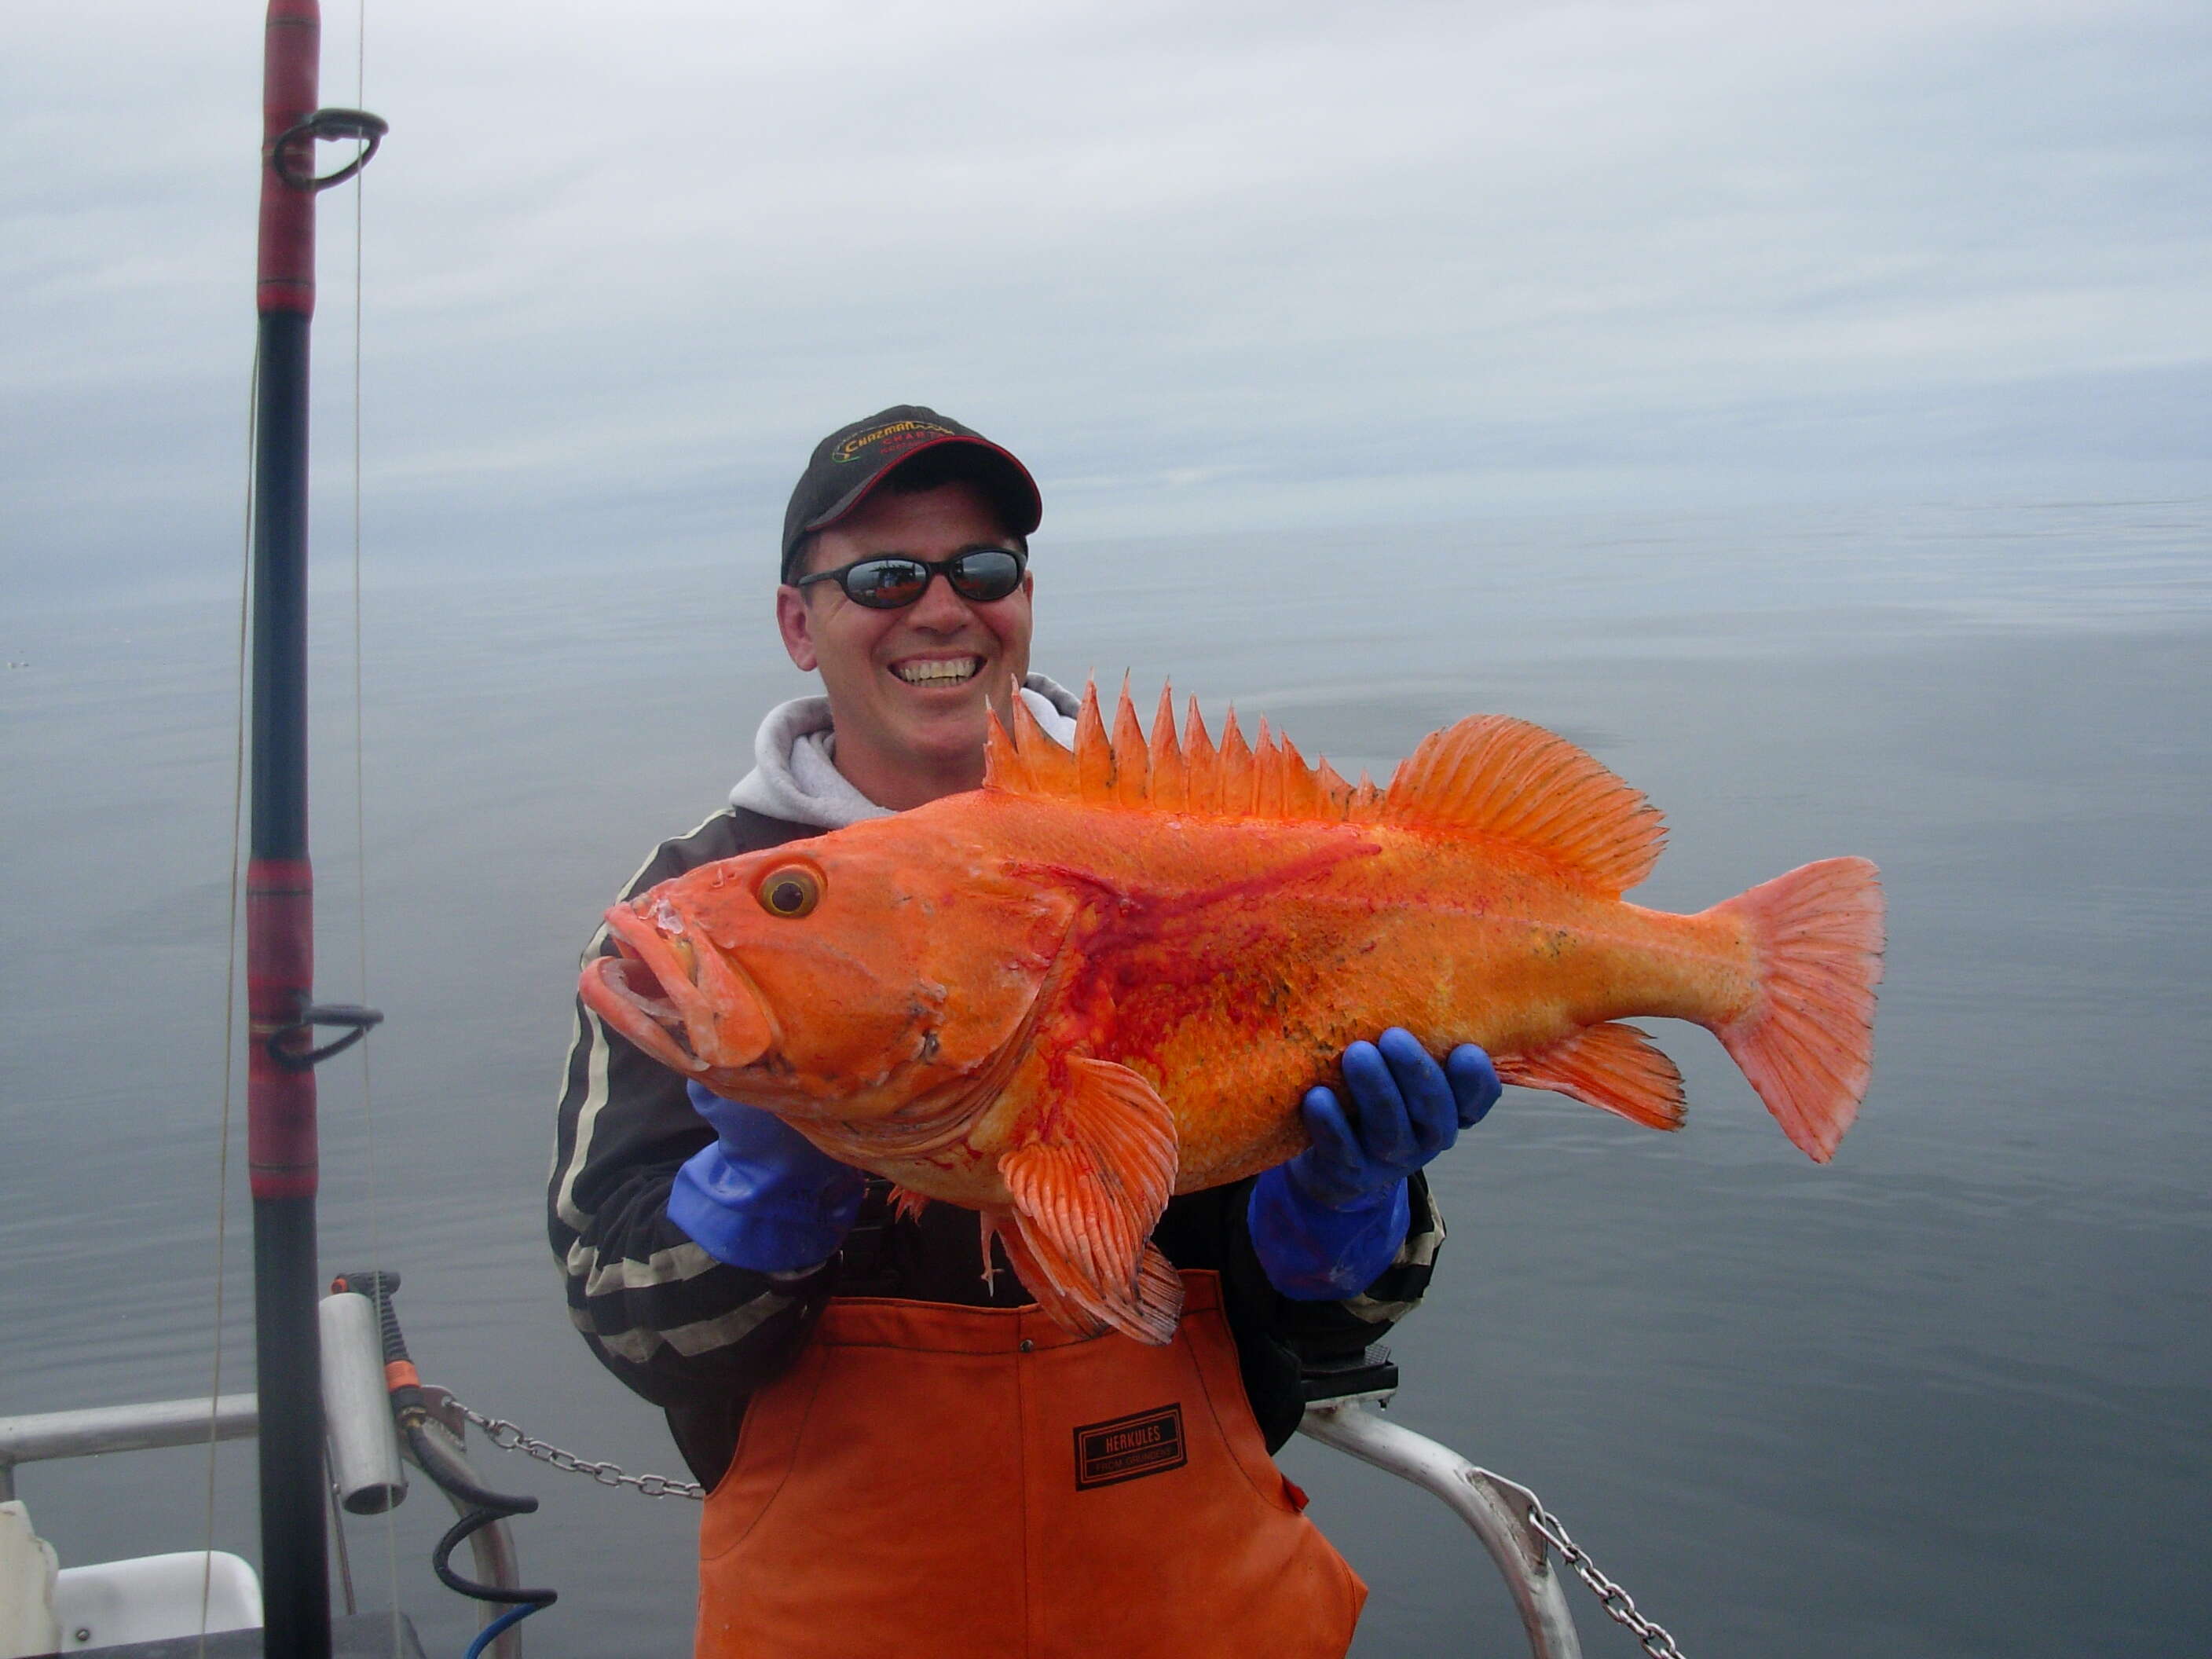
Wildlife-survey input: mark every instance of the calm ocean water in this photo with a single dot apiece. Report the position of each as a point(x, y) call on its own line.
point(1947, 1396)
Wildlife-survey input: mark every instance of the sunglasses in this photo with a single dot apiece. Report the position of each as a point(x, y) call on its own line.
point(892, 582)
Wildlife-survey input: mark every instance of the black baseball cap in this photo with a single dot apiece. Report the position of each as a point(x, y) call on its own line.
point(853, 459)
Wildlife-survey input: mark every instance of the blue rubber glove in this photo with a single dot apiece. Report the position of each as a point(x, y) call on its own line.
point(763, 1196)
point(1328, 1222)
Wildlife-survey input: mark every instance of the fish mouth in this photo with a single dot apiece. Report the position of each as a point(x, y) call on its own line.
point(693, 1010)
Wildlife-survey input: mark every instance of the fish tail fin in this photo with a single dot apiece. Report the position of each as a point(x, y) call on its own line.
point(1806, 1043)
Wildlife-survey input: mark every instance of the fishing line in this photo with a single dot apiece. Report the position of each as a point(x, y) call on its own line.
point(230, 984)
point(391, 1524)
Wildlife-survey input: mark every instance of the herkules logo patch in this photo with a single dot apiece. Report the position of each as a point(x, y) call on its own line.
point(1128, 1448)
point(894, 436)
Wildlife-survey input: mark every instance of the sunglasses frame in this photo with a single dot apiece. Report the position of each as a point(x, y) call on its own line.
point(931, 569)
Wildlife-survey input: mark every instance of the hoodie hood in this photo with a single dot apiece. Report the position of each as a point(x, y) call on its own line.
point(795, 776)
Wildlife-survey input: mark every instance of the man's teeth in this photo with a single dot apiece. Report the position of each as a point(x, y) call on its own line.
point(951, 671)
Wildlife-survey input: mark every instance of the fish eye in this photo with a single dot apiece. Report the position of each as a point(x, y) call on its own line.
point(790, 891)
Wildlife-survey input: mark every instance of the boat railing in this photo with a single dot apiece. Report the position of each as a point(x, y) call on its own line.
point(1343, 1400)
point(93, 1431)
point(149, 1425)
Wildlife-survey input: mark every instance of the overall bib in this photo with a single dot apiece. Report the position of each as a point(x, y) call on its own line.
point(942, 1482)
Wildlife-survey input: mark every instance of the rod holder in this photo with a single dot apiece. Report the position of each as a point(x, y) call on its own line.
point(364, 1448)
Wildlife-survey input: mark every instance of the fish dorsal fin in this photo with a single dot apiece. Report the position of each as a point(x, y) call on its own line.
point(1132, 758)
point(1122, 767)
point(1488, 776)
point(1496, 776)
point(1094, 752)
point(1164, 775)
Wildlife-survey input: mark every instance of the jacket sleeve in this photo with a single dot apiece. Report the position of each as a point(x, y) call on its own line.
point(1278, 1336)
point(673, 1323)
point(1319, 1329)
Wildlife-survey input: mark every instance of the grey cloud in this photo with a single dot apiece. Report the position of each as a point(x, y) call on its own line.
point(1203, 264)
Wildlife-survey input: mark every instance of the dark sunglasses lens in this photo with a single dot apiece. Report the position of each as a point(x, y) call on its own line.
point(885, 584)
point(986, 574)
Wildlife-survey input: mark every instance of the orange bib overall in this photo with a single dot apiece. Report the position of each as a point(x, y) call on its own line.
point(941, 1482)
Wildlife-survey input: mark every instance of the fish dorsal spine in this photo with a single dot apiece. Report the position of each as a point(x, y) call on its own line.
point(1487, 776)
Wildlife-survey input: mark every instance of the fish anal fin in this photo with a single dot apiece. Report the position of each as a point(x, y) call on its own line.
point(1088, 1183)
point(1613, 1066)
point(1496, 776)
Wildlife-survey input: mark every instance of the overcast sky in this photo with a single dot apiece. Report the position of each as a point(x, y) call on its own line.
point(1204, 266)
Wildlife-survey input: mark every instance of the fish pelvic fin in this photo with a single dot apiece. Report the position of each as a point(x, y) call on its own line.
point(1067, 1313)
point(1806, 1043)
point(1160, 1287)
point(1088, 1184)
point(906, 1205)
point(1612, 1065)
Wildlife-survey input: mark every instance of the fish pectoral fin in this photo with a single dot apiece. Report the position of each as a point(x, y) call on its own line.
point(1613, 1067)
point(1087, 1191)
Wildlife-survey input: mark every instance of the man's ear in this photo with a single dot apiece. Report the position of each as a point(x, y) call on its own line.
point(796, 624)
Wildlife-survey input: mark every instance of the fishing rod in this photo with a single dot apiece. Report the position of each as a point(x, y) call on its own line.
point(282, 1014)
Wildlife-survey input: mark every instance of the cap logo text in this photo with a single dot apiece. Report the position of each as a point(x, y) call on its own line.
point(895, 437)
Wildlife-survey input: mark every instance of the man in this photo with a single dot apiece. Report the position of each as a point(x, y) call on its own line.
point(907, 1457)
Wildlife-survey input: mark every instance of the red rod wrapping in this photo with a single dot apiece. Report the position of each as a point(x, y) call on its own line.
point(280, 1148)
point(288, 93)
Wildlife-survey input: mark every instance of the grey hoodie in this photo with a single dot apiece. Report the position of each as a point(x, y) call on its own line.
point(796, 778)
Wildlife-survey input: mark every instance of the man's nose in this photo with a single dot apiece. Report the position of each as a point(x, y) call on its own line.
point(940, 607)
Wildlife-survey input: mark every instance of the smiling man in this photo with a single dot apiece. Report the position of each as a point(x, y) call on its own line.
point(881, 1418)
point(908, 668)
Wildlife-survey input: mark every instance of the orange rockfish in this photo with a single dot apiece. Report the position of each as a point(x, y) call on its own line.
point(1110, 974)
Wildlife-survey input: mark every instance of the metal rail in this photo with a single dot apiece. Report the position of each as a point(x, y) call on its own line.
point(1496, 1509)
point(43, 1436)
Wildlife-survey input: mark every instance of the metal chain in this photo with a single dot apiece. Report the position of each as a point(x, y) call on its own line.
point(1619, 1606)
point(509, 1436)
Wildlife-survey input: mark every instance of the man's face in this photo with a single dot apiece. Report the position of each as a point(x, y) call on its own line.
point(907, 689)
